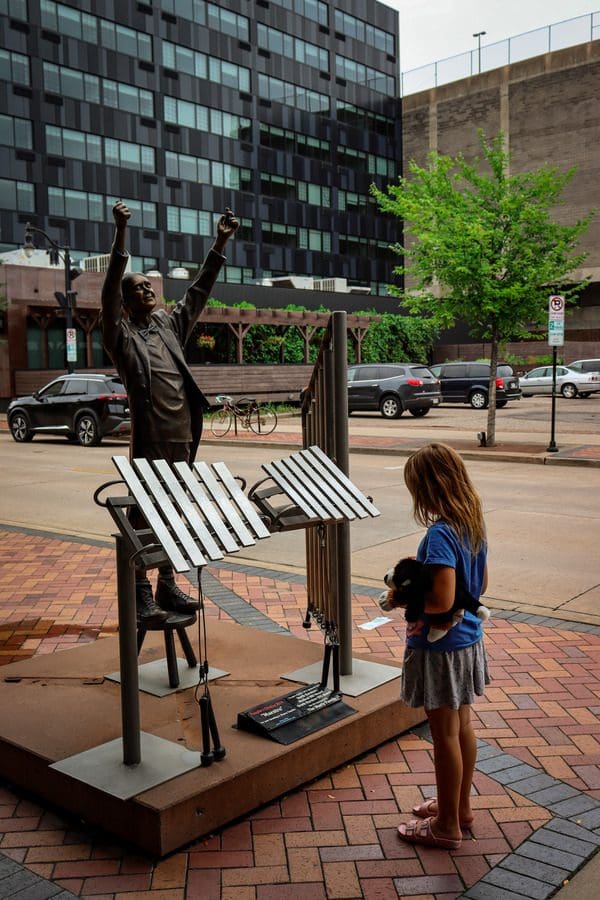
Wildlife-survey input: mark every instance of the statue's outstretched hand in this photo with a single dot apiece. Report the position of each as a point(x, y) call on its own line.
point(121, 214)
point(228, 224)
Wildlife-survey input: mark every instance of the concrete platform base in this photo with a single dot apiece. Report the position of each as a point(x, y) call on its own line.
point(56, 706)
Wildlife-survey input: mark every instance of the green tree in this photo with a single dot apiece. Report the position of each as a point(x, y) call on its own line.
point(482, 246)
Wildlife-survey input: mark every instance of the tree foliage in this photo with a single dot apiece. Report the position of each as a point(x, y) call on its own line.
point(482, 245)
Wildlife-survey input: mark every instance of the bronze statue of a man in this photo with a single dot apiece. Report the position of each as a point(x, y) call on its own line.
point(146, 346)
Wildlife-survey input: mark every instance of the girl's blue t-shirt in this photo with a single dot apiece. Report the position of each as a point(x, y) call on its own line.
point(441, 546)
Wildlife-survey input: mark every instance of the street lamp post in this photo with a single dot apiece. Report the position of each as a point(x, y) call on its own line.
point(479, 35)
point(66, 300)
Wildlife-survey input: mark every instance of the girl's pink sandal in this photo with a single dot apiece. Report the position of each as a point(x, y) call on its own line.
point(424, 811)
point(418, 831)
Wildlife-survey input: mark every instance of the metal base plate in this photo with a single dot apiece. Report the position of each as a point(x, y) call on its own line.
point(102, 767)
point(365, 676)
point(154, 677)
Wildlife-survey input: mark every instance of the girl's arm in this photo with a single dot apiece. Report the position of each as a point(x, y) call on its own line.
point(441, 596)
point(485, 580)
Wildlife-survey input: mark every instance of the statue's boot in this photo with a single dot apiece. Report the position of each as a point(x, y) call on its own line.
point(170, 598)
point(149, 614)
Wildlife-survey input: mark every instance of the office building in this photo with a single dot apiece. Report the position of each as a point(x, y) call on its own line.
point(284, 110)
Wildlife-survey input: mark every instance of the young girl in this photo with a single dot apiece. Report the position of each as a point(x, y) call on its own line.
point(445, 676)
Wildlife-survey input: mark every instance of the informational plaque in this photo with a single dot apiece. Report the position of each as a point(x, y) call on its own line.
point(290, 717)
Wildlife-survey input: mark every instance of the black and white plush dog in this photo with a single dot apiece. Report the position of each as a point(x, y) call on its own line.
point(409, 581)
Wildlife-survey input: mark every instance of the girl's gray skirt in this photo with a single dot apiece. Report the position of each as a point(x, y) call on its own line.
point(431, 678)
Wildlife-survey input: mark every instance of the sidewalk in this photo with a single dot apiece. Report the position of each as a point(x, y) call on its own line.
point(537, 786)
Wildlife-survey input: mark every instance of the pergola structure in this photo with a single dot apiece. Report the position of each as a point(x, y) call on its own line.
point(237, 319)
point(240, 320)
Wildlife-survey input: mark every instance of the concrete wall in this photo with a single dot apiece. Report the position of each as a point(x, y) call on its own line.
point(548, 109)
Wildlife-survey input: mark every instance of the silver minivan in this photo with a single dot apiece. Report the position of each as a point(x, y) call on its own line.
point(585, 365)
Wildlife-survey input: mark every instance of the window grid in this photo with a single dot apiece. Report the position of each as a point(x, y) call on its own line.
point(292, 141)
point(16, 132)
point(349, 201)
point(92, 89)
point(355, 115)
point(292, 47)
point(211, 15)
point(85, 27)
point(203, 118)
point(364, 32)
point(291, 189)
point(15, 8)
point(94, 148)
point(207, 171)
point(96, 207)
point(356, 72)
point(17, 195)
point(311, 9)
point(192, 62)
point(292, 94)
point(14, 67)
point(196, 221)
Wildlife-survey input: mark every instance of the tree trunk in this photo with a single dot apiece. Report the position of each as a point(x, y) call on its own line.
point(491, 417)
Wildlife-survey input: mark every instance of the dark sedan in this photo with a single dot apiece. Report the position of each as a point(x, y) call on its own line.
point(392, 388)
point(85, 408)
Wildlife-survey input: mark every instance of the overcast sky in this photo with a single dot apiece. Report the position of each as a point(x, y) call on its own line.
point(434, 29)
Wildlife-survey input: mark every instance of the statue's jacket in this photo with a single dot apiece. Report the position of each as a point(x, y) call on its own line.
point(127, 348)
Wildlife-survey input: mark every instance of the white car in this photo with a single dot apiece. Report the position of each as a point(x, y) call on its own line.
point(569, 382)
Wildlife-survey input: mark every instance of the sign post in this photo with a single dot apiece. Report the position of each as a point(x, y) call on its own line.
point(556, 338)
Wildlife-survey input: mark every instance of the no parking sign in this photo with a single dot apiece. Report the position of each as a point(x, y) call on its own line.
point(556, 321)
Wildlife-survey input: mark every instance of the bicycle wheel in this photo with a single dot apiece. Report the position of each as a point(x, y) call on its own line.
point(220, 422)
point(263, 420)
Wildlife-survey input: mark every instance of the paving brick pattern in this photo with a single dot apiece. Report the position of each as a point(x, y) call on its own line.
point(536, 788)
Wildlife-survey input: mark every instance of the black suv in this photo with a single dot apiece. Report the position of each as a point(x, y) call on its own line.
point(469, 382)
point(391, 388)
point(84, 408)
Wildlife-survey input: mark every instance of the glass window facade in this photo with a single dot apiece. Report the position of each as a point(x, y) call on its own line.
point(14, 67)
point(211, 15)
point(16, 132)
point(206, 119)
point(351, 70)
point(364, 32)
point(188, 106)
point(73, 23)
point(17, 195)
point(92, 89)
point(182, 59)
point(290, 94)
point(292, 47)
point(311, 9)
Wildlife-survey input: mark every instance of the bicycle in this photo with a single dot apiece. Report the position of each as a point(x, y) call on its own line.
point(260, 418)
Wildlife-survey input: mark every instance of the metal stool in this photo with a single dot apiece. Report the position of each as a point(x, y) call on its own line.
point(177, 622)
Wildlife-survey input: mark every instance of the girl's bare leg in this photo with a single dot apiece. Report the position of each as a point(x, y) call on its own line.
point(468, 748)
point(448, 762)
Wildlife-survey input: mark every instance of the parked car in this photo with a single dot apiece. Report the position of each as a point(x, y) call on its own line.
point(569, 382)
point(585, 365)
point(469, 382)
point(85, 408)
point(391, 388)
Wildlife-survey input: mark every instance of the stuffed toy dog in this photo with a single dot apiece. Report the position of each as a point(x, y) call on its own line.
point(408, 582)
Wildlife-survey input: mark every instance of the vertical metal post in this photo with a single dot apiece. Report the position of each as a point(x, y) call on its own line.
point(69, 303)
point(341, 455)
point(130, 702)
point(552, 448)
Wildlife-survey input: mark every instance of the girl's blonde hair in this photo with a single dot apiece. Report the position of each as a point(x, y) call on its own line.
point(441, 489)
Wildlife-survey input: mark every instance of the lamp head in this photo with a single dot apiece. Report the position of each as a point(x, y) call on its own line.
point(28, 245)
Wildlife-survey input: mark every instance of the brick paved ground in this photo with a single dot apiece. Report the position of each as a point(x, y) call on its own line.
point(537, 785)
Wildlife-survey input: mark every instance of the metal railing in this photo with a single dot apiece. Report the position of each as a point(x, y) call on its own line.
point(325, 424)
point(567, 33)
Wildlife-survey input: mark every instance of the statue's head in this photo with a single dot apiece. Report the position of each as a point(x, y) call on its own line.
point(139, 298)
